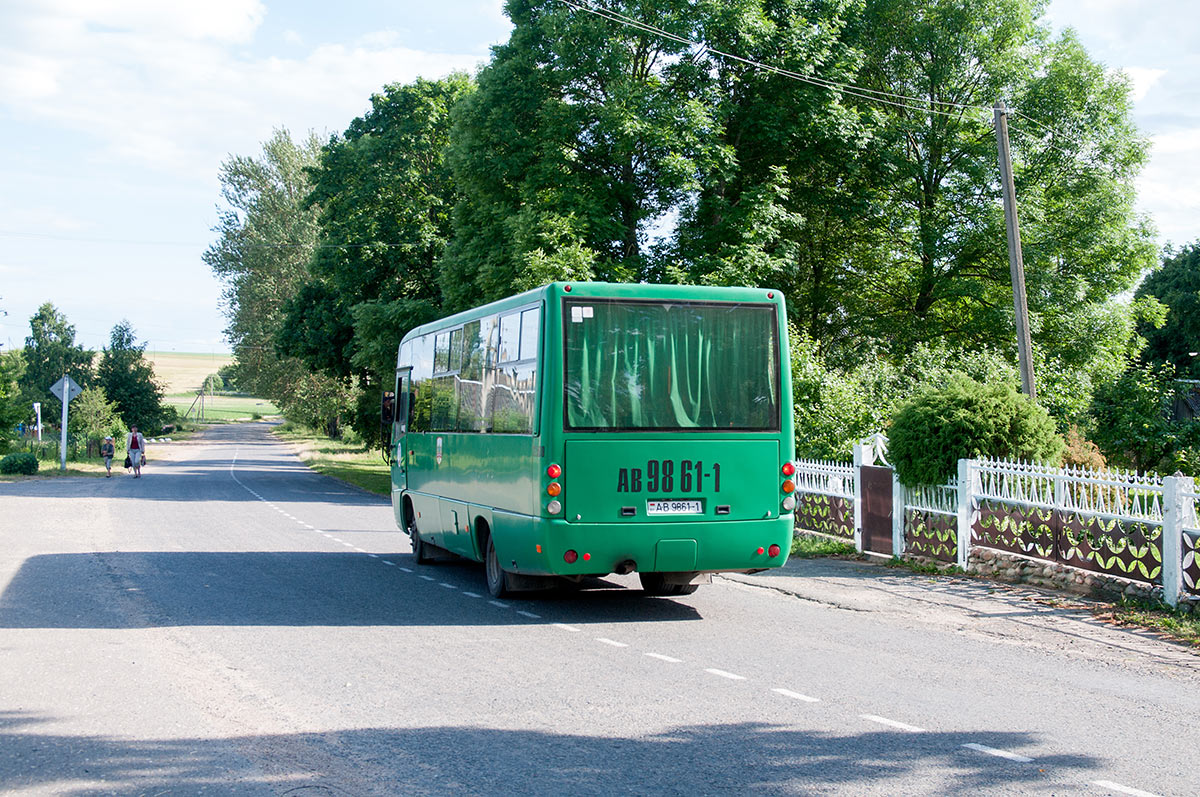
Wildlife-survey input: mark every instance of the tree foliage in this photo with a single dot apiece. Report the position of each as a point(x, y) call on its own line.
point(50, 352)
point(95, 417)
point(267, 235)
point(13, 409)
point(128, 380)
point(1176, 284)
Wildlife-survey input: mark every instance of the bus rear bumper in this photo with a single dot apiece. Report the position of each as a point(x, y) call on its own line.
point(560, 548)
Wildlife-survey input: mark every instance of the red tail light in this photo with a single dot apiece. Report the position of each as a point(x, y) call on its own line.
point(788, 469)
point(570, 557)
point(773, 551)
point(555, 471)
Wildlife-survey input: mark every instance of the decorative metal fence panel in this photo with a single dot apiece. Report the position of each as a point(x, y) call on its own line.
point(931, 521)
point(825, 498)
point(1103, 522)
point(1190, 547)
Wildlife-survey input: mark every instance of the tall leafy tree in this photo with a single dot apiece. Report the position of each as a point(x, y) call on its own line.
point(384, 193)
point(50, 352)
point(128, 380)
point(1076, 152)
point(1176, 284)
point(267, 235)
point(13, 409)
point(584, 134)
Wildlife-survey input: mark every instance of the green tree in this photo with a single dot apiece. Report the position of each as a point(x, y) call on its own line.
point(582, 137)
point(128, 380)
point(1075, 152)
point(94, 416)
point(13, 409)
point(1131, 417)
point(50, 352)
point(267, 235)
point(1176, 284)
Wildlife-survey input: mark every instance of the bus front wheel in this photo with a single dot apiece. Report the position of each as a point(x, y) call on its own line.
point(657, 584)
point(497, 579)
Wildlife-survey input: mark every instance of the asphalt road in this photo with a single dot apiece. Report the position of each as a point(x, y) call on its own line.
point(233, 623)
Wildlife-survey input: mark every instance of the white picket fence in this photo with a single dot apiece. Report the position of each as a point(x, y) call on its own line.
point(1110, 500)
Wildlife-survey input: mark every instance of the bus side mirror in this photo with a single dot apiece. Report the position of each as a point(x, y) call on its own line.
point(387, 413)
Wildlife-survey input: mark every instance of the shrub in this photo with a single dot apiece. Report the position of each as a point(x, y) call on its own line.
point(1082, 452)
point(23, 463)
point(967, 419)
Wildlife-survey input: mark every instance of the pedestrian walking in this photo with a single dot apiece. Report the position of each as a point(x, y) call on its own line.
point(135, 444)
point(108, 450)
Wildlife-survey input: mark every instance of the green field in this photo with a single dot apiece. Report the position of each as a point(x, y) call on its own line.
point(184, 372)
point(222, 408)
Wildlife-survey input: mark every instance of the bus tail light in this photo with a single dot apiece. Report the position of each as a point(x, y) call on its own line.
point(570, 557)
point(554, 488)
point(788, 469)
point(760, 550)
point(554, 471)
point(788, 486)
point(789, 503)
point(773, 551)
point(554, 507)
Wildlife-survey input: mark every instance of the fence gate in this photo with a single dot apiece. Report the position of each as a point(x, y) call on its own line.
point(877, 509)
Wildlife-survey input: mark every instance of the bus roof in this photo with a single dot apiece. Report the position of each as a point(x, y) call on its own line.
point(615, 290)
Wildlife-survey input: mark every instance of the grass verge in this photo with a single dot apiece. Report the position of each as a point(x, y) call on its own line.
point(1178, 625)
point(350, 462)
point(223, 408)
point(810, 546)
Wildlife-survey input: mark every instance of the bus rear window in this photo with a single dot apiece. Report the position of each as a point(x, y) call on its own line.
point(671, 365)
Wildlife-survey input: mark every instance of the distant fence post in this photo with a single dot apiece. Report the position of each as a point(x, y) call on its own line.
point(964, 513)
point(898, 513)
point(858, 498)
point(1172, 539)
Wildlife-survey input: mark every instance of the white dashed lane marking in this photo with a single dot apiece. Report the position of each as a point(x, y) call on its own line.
point(892, 723)
point(612, 642)
point(1117, 787)
point(530, 615)
point(565, 627)
point(983, 748)
point(661, 657)
point(797, 695)
point(472, 594)
point(501, 604)
point(731, 676)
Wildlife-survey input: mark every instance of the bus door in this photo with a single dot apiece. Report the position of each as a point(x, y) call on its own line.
point(400, 429)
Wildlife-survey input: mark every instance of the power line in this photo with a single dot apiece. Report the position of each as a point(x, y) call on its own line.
point(873, 95)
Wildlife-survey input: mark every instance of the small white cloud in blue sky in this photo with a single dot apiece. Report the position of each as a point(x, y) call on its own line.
point(115, 116)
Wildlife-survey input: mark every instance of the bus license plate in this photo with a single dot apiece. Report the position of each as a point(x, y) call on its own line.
point(674, 508)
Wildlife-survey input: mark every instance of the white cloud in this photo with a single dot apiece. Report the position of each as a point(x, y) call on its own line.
point(1143, 79)
point(170, 84)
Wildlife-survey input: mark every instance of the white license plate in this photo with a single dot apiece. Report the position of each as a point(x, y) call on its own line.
point(674, 508)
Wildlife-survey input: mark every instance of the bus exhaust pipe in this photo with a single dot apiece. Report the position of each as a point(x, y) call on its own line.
point(626, 567)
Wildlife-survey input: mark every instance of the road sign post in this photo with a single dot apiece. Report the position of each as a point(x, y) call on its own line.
point(65, 389)
point(37, 410)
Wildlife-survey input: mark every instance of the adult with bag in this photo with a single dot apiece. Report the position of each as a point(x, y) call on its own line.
point(135, 444)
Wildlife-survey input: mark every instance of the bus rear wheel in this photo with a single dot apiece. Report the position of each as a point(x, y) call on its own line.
point(497, 579)
point(657, 584)
point(420, 548)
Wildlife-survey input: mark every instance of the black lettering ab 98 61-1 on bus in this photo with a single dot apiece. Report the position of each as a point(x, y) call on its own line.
point(662, 476)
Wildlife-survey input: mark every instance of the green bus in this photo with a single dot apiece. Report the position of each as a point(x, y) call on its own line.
point(583, 429)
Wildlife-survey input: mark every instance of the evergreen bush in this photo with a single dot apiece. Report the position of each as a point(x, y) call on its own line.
point(967, 419)
point(22, 463)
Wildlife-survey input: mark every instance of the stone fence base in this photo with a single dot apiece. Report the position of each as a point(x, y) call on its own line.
point(1037, 573)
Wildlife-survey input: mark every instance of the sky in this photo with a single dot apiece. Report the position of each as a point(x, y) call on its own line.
point(115, 117)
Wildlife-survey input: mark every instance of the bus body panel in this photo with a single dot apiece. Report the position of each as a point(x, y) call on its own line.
point(614, 480)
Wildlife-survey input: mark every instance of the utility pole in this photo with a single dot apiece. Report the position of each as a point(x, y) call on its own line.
point(1015, 263)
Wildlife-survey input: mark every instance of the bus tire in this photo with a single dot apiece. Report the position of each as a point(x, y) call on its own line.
point(497, 579)
point(420, 548)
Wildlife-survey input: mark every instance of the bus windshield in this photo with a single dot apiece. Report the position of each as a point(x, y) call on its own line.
point(642, 365)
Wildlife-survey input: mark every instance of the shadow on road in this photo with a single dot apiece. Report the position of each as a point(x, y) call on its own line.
point(736, 758)
point(160, 589)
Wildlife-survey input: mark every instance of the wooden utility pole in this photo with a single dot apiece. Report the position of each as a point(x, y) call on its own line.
point(1015, 263)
